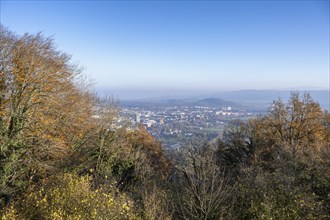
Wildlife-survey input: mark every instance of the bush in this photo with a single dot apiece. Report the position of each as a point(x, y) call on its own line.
point(72, 197)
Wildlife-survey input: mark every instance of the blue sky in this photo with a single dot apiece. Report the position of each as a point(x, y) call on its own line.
point(186, 45)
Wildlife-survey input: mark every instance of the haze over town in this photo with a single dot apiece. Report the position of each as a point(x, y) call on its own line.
point(139, 49)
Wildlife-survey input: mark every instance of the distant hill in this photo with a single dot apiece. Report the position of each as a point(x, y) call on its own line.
point(214, 102)
point(267, 96)
point(207, 102)
point(180, 101)
point(260, 99)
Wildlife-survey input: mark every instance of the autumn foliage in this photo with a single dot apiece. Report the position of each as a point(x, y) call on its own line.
point(63, 157)
point(43, 111)
point(51, 124)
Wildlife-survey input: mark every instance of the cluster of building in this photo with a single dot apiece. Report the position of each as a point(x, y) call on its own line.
point(170, 124)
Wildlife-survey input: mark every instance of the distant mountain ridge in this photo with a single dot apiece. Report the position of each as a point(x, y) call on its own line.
point(207, 102)
point(260, 98)
point(215, 102)
point(267, 96)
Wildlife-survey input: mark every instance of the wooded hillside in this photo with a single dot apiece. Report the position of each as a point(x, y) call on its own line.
point(62, 157)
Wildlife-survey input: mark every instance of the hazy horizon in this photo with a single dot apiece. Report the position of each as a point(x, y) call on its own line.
point(185, 45)
point(247, 96)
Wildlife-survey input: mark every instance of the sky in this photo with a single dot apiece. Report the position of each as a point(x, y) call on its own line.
point(170, 46)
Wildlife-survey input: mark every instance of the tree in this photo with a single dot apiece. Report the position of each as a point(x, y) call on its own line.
point(297, 125)
point(43, 112)
point(287, 174)
point(201, 189)
point(235, 149)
